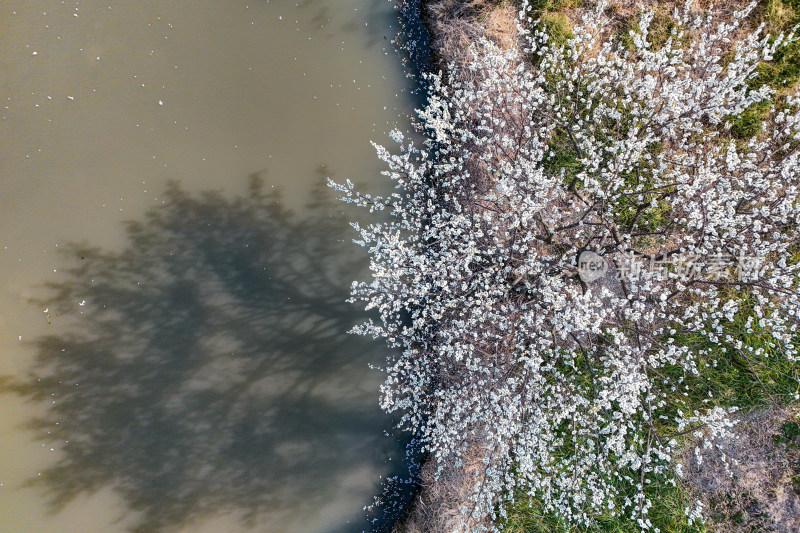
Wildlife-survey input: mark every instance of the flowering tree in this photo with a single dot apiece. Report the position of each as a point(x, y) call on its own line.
point(536, 154)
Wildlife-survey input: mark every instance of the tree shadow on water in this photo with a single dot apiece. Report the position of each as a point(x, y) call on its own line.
point(208, 369)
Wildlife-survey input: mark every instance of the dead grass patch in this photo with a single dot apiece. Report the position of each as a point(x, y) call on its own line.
point(439, 504)
point(454, 25)
point(760, 495)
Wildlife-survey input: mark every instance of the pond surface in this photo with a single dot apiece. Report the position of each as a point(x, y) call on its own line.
point(173, 272)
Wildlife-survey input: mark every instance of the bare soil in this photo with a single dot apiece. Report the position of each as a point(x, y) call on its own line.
point(757, 493)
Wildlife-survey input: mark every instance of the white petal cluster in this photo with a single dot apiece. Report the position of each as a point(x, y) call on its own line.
point(535, 154)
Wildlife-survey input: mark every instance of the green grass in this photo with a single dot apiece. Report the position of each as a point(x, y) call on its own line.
point(657, 34)
point(784, 70)
point(555, 23)
point(748, 124)
point(527, 516)
point(627, 210)
point(790, 438)
point(557, 26)
point(781, 73)
point(748, 379)
point(540, 6)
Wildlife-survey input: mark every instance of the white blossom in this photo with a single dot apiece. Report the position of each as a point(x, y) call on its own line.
point(540, 152)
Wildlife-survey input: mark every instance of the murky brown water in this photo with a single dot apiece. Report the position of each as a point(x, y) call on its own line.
point(188, 370)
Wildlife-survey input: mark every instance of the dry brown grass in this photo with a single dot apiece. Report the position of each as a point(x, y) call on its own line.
point(760, 495)
point(438, 505)
point(456, 24)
